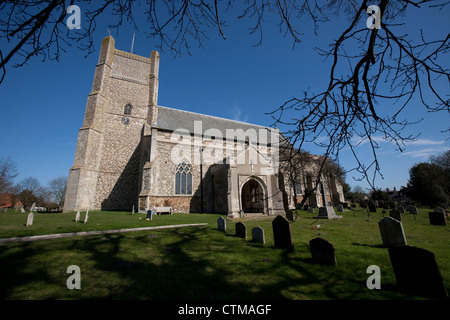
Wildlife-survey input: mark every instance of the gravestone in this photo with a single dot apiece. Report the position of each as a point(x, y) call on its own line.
point(241, 230)
point(290, 215)
point(401, 209)
point(372, 207)
point(86, 217)
point(22, 210)
point(282, 234)
point(258, 235)
point(392, 204)
point(77, 216)
point(221, 224)
point(310, 209)
point(132, 211)
point(396, 215)
point(322, 251)
point(327, 213)
point(149, 215)
point(417, 272)
point(33, 207)
point(392, 232)
point(439, 209)
point(437, 218)
point(340, 208)
point(412, 209)
point(30, 219)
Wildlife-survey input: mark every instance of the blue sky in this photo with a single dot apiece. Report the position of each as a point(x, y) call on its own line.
point(43, 103)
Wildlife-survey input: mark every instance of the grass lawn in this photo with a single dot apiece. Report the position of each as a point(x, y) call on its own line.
point(203, 263)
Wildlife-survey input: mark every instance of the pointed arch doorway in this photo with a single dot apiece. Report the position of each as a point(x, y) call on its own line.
point(253, 197)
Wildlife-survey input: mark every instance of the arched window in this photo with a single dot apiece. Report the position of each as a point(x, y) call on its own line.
point(183, 178)
point(127, 109)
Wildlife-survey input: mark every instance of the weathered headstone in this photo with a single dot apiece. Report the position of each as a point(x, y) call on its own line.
point(322, 251)
point(241, 230)
point(401, 209)
point(282, 234)
point(310, 209)
point(86, 217)
point(221, 224)
point(258, 235)
point(417, 272)
point(30, 219)
point(340, 208)
point(392, 232)
point(437, 218)
point(132, 211)
point(290, 215)
point(33, 207)
point(396, 215)
point(22, 210)
point(77, 216)
point(327, 213)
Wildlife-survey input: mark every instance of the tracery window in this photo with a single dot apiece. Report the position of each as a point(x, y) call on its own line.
point(183, 178)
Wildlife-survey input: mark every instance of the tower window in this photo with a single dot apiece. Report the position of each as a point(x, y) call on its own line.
point(127, 109)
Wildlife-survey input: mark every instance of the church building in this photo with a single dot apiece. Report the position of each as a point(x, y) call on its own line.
point(133, 152)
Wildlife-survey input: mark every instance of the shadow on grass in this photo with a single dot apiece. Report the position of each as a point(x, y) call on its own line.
point(177, 264)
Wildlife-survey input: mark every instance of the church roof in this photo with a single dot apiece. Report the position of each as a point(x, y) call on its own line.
point(173, 119)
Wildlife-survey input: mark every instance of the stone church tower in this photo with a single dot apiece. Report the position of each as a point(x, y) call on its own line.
point(132, 152)
point(119, 112)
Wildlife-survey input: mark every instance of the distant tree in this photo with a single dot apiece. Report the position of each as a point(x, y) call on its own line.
point(429, 184)
point(379, 195)
point(31, 184)
point(442, 160)
point(8, 171)
point(58, 187)
point(27, 198)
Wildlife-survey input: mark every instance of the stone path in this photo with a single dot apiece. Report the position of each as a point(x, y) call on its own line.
point(89, 233)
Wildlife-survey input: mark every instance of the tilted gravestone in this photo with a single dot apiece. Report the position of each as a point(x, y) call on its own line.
point(77, 216)
point(282, 234)
point(327, 213)
point(241, 230)
point(258, 235)
point(396, 215)
point(437, 218)
point(86, 217)
point(417, 272)
point(322, 251)
point(221, 224)
point(392, 233)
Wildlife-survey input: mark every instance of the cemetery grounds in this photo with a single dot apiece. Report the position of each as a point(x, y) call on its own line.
point(202, 263)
